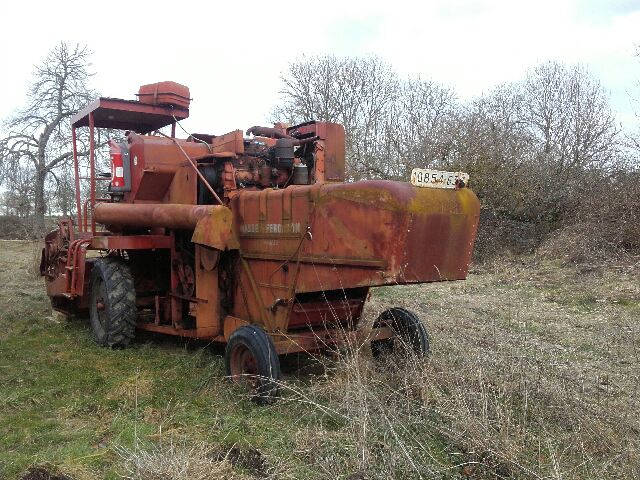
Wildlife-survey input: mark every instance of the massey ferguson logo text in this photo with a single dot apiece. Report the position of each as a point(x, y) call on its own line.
point(270, 228)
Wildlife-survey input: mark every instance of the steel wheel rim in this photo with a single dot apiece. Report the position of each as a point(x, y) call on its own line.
point(99, 304)
point(244, 368)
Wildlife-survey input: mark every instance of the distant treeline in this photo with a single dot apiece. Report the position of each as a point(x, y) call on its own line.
point(546, 155)
point(551, 164)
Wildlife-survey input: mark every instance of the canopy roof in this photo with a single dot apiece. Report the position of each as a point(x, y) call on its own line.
point(128, 115)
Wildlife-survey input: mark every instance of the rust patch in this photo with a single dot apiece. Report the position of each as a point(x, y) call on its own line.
point(215, 230)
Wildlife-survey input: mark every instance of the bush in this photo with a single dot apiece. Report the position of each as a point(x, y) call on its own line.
point(14, 228)
point(605, 223)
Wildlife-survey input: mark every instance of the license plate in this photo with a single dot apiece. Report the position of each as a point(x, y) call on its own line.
point(425, 177)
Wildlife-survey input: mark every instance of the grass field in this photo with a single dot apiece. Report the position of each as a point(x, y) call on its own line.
point(534, 373)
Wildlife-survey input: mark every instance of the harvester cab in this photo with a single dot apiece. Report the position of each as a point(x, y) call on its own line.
point(250, 239)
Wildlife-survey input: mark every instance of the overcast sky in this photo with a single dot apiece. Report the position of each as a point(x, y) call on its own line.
point(231, 54)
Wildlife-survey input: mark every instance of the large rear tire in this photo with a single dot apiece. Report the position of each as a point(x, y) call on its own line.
point(410, 334)
point(251, 360)
point(112, 308)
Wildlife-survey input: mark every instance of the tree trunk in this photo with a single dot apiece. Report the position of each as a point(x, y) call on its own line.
point(40, 206)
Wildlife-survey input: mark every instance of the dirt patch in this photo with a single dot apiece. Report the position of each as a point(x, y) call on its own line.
point(41, 473)
point(247, 458)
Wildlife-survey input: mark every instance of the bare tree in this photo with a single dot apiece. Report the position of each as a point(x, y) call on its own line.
point(392, 124)
point(18, 195)
point(569, 112)
point(419, 126)
point(60, 189)
point(533, 146)
point(354, 92)
point(39, 135)
point(633, 138)
point(492, 142)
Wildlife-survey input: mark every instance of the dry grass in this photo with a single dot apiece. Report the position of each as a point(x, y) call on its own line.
point(175, 462)
point(587, 242)
point(534, 374)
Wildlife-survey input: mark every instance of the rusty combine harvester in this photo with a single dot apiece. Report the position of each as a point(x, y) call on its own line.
point(253, 241)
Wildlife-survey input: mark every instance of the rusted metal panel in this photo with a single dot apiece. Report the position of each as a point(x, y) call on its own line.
point(333, 151)
point(420, 235)
point(324, 241)
point(154, 163)
point(58, 286)
point(423, 234)
point(183, 188)
point(215, 230)
point(318, 260)
point(128, 115)
point(231, 324)
point(311, 341)
point(77, 266)
point(131, 242)
point(208, 312)
point(320, 339)
point(208, 333)
point(229, 142)
point(323, 312)
point(154, 185)
point(329, 150)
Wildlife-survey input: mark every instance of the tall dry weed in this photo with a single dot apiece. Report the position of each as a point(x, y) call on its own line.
point(497, 406)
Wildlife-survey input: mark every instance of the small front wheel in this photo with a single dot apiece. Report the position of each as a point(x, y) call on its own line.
point(251, 360)
point(410, 334)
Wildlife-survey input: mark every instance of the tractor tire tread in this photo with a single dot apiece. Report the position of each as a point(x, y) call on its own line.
point(120, 290)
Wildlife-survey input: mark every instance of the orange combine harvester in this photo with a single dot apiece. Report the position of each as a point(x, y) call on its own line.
point(252, 240)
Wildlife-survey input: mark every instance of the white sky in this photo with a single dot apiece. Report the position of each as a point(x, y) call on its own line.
point(231, 54)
